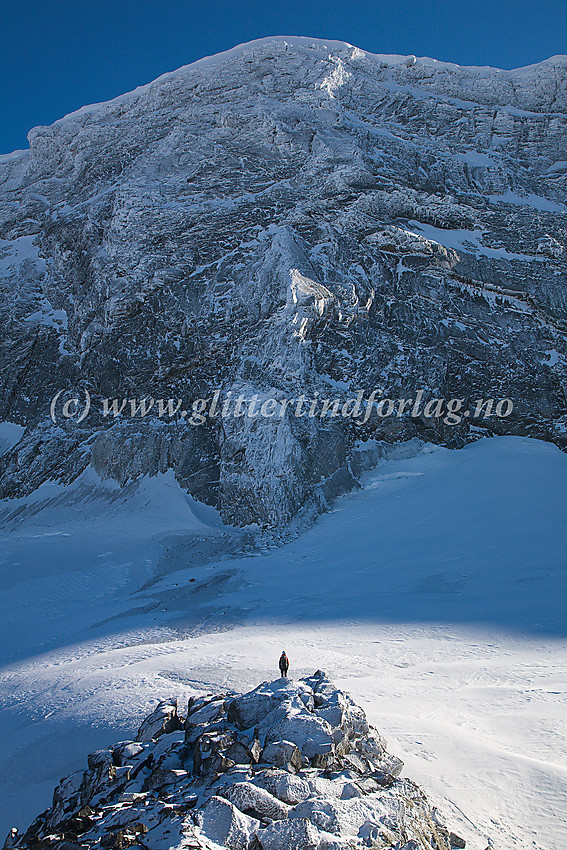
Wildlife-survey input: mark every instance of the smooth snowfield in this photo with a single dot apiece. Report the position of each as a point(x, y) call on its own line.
point(435, 595)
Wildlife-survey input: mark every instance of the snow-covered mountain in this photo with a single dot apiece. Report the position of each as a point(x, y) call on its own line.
point(291, 217)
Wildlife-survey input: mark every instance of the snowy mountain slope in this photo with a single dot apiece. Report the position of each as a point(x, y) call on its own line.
point(434, 595)
point(88, 547)
point(152, 246)
point(442, 537)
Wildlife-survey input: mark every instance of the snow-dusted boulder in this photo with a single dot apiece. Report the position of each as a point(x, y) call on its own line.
point(249, 710)
point(257, 707)
point(350, 818)
point(205, 710)
point(163, 719)
point(371, 744)
point(251, 799)
point(166, 752)
point(312, 734)
point(239, 753)
point(208, 755)
point(100, 760)
point(285, 786)
point(67, 795)
point(163, 776)
point(127, 753)
point(224, 824)
point(392, 765)
point(321, 812)
point(283, 754)
point(297, 834)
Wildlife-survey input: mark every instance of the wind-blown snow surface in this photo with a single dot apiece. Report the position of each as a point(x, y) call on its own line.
point(434, 595)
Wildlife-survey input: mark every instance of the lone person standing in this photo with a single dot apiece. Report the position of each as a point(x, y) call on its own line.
point(284, 664)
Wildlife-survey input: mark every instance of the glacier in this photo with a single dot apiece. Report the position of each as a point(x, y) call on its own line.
point(434, 595)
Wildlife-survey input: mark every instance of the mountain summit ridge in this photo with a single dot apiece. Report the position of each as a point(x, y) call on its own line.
point(303, 41)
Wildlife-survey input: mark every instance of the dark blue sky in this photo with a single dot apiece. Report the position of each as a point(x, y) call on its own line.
point(58, 55)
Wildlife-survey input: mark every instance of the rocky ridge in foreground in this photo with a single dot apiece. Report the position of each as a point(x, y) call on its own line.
point(289, 765)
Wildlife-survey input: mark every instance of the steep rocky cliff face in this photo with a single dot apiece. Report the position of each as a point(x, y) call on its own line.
point(287, 766)
point(292, 217)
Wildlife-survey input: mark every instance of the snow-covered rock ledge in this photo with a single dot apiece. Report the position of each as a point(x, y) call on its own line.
point(289, 765)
